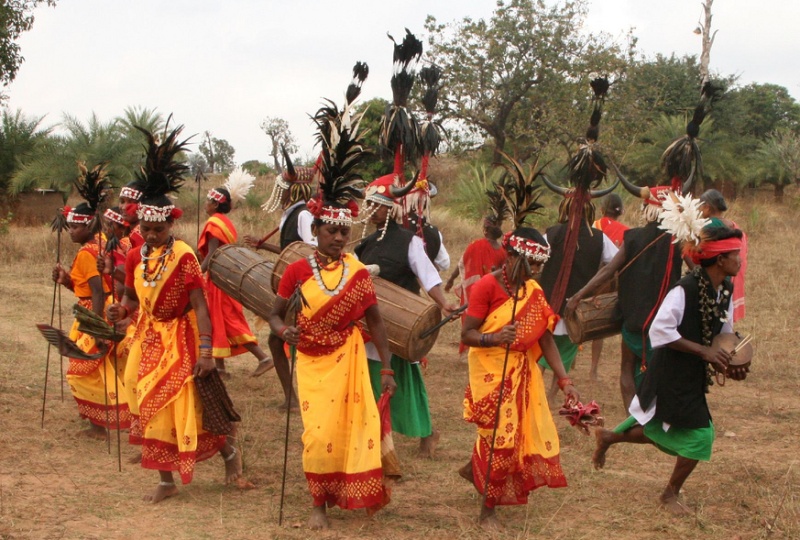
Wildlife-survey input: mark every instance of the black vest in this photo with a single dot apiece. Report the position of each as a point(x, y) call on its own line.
point(391, 254)
point(430, 233)
point(289, 230)
point(678, 379)
point(584, 265)
point(640, 283)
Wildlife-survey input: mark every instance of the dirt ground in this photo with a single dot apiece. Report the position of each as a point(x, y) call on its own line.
point(56, 485)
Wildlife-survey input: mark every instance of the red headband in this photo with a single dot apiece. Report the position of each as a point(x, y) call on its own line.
point(709, 250)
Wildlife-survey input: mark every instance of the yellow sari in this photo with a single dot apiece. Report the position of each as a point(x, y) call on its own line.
point(165, 347)
point(526, 449)
point(92, 382)
point(341, 438)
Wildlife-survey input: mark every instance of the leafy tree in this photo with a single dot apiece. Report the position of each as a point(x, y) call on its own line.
point(257, 168)
point(197, 163)
point(506, 77)
point(372, 166)
point(16, 17)
point(277, 129)
point(18, 141)
point(218, 153)
point(757, 111)
point(777, 160)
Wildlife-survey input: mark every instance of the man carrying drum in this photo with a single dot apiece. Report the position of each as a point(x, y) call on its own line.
point(670, 408)
point(402, 260)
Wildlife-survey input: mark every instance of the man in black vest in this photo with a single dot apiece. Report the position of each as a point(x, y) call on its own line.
point(670, 408)
point(401, 258)
point(649, 264)
point(593, 249)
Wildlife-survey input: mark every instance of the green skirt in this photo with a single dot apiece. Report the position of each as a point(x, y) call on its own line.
point(411, 413)
point(688, 443)
point(633, 340)
point(566, 349)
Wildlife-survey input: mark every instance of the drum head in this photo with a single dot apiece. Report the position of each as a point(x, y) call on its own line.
point(729, 342)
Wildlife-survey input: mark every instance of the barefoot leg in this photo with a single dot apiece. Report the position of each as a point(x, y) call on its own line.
point(282, 370)
point(488, 520)
point(318, 520)
point(264, 362)
point(166, 488)
point(223, 374)
point(597, 350)
point(604, 438)
point(135, 460)
point(466, 473)
point(427, 445)
point(670, 497)
point(627, 386)
point(94, 432)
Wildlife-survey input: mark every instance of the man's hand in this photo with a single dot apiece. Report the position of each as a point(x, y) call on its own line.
point(572, 305)
point(388, 384)
point(290, 334)
point(719, 358)
point(251, 241)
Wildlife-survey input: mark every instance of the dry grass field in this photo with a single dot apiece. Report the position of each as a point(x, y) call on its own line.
point(56, 485)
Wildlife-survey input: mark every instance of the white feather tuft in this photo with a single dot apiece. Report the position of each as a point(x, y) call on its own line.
point(239, 184)
point(681, 217)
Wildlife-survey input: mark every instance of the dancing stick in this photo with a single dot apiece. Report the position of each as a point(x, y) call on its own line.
point(59, 224)
point(98, 227)
point(293, 306)
point(515, 273)
point(115, 344)
point(197, 178)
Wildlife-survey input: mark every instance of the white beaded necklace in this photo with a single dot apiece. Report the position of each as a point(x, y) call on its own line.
point(161, 264)
point(312, 261)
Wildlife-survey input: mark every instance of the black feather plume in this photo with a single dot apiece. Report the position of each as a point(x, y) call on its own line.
point(360, 73)
point(163, 172)
point(398, 125)
point(519, 189)
point(92, 185)
point(430, 132)
point(498, 205)
point(59, 222)
point(587, 168)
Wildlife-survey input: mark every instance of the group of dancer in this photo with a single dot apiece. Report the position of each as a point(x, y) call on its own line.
point(517, 287)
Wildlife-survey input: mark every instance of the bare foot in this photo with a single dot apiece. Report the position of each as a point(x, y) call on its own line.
point(295, 406)
point(427, 445)
point(674, 506)
point(224, 375)
point(488, 520)
point(135, 460)
point(162, 491)
point(599, 455)
point(263, 366)
point(466, 473)
point(318, 520)
point(233, 466)
point(94, 432)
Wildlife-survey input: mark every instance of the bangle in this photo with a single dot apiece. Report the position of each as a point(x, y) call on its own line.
point(389, 372)
point(282, 332)
point(205, 346)
point(205, 335)
point(563, 382)
point(482, 342)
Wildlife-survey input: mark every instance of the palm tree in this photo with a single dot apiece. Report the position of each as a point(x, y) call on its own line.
point(777, 161)
point(19, 137)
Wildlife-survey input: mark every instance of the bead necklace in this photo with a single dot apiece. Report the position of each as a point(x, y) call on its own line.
point(315, 263)
point(507, 285)
point(150, 278)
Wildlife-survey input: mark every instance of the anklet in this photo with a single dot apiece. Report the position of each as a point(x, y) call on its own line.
point(230, 456)
point(166, 484)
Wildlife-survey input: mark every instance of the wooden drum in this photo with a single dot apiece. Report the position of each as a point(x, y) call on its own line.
point(245, 276)
point(405, 314)
point(595, 318)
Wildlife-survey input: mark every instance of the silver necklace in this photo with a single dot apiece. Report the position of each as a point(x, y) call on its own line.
point(312, 261)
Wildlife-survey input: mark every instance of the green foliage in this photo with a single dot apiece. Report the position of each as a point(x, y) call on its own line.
point(17, 17)
point(469, 198)
point(515, 77)
point(218, 153)
point(5, 223)
point(372, 166)
point(257, 168)
point(277, 129)
point(18, 141)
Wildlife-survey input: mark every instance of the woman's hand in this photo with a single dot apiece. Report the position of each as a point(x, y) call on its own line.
point(204, 365)
point(571, 396)
point(116, 312)
point(290, 334)
point(61, 276)
point(506, 336)
point(388, 384)
point(121, 326)
point(104, 264)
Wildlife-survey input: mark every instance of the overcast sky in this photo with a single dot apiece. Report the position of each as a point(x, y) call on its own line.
point(223, 66)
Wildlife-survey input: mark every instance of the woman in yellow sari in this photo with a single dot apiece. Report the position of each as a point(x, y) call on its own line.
point(171, 343)
point(526, 446)
point(342, 431)
point(91, 381)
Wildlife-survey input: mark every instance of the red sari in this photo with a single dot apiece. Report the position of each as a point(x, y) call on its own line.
point(229, 328)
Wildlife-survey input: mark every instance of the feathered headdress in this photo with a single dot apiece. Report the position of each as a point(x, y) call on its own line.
point(682, 160)
point(521, 197)
point(161, 174)
point(295, 180)
point(341, 153)
point(498, 206)
point(587, 169)
point(398, 135)
point(93, 187)
point(360, 73)
point(235, 189)
point(430, 135)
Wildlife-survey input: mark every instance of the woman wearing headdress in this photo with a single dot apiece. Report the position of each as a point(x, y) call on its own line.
point(508, 327)
point(91, 381)
point(171, 344)
point(129, 197)
point(231, 335)
point(342, 434)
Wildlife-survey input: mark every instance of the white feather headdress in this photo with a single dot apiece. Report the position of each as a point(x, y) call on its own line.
point(239, 184)
point(682, 218)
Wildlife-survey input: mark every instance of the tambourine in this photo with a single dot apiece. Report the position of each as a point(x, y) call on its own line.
point(740, 349)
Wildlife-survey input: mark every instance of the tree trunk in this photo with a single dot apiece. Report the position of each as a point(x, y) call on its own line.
point(499, 146)
point(779, 192)
point(275, 153)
